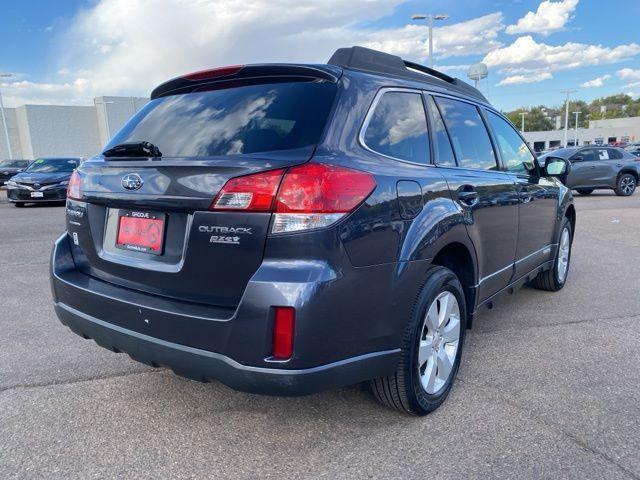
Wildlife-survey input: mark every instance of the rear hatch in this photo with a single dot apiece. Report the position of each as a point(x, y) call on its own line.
point(144, 218)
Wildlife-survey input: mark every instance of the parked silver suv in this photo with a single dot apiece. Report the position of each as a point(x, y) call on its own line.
point(595, 167)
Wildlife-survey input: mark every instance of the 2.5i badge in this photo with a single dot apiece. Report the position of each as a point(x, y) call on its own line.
point(226, 235)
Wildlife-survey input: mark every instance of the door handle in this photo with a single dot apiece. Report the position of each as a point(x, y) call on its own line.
point(468, 196)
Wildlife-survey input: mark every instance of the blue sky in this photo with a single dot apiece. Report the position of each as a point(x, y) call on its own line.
point(70, 51)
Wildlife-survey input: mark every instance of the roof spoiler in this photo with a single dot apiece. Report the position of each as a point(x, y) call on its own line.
point(368, 60)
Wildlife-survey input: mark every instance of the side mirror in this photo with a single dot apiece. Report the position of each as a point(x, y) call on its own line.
point(556, 167)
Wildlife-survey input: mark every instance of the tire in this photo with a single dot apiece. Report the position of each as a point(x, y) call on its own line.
point(585, 191)
point(551, 280)
point(19, 204)
point(626, 185)
point(405, 390)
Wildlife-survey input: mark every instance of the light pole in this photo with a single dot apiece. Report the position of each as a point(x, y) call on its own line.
point(575, 138)
point(566, 116)
point(106, 116)
point(522, 114)
point(430, 17)
point(4, 119)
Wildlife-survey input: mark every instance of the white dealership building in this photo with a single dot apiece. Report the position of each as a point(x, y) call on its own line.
point(61, 130)
point(600, 132)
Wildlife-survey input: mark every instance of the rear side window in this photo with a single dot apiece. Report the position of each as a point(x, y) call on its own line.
point(234, 121)
point(442, 146)
point(398, 127)
point(516, 156)
point(468, 134)
point(615, 154)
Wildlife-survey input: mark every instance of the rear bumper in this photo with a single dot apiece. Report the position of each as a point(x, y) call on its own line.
point(119, 319)
point(204, 366)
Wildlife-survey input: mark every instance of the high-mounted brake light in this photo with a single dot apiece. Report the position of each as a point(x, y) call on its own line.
point(73, 188)
point(312, 195)
point(283, 329)
point(213, 73)
point(251, 193)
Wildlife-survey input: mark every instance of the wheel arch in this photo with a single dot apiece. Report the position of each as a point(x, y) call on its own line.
point(570, 213)
point(460, 259)
point(630, 171)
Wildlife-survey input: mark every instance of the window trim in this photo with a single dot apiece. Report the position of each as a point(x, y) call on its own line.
point(367, 119)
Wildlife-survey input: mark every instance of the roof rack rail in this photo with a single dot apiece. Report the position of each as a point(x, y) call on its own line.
point(366, 59)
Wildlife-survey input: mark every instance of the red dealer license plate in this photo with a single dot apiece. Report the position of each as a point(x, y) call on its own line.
point(141, 232)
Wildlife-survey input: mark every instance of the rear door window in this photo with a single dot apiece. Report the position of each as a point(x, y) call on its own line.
point(397, 127)
point(468, 133)
point(233, 121)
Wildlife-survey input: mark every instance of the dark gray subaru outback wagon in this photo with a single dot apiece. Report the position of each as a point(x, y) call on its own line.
point(287, 228)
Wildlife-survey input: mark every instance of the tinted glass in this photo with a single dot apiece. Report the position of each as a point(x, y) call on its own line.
point(14, 163)
point(615, 154)
point(398, 127)
point(442, 146)
point(588, 154)
point(52, 165)
point(242, 120)
point(468, 134)
point(515, 154)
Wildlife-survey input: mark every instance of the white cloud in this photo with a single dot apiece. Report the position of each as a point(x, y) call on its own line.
point(530, 78)
point(472, 37)
point(525, 55)
point(634, 95)
point(550, 17)
point(127, 47)
point(628, 74)
point(596, 82)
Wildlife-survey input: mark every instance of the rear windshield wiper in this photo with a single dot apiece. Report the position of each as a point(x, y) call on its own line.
point(133, 149)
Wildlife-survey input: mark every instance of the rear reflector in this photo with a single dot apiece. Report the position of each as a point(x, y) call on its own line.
point(312, 195)
point(213, 73)
point(252, 193)
point(283, 329)
point(73, 188)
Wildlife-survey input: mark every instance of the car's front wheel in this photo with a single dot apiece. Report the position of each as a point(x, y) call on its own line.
point(431, 348)
point(585, 191)
point(626, 185)
point(19, 204)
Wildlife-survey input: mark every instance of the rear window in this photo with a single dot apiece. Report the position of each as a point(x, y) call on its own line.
point(235, 121)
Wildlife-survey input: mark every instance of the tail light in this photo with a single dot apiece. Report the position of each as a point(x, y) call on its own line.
point(252, 193)
point(283, 328)
point(73, 189)
point(313, 195)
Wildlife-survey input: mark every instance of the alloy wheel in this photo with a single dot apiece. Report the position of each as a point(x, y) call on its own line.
point(439, 341)
point(563, 254)
point(627, 185)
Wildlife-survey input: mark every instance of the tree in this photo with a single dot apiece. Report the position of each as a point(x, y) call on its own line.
point(535, 121)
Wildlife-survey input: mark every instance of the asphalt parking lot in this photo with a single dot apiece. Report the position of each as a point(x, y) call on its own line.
point(548, 387)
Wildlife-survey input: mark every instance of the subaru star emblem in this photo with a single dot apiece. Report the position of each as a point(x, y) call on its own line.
point(132, 181)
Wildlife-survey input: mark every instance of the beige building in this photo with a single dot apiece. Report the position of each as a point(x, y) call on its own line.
point(57, 130)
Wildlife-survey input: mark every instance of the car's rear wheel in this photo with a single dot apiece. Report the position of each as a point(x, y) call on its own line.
point(554, 279)
point(585, 191)
point(19, 204)
point(431, 348)
point(626, 185)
